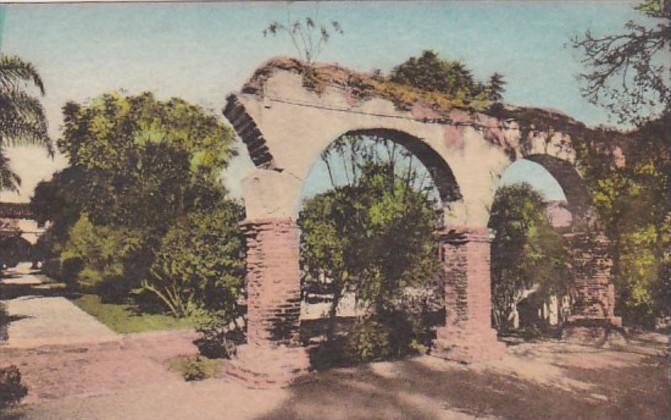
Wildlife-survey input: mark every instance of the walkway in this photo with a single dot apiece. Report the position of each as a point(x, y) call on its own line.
point(548, 380)
point(38, 318)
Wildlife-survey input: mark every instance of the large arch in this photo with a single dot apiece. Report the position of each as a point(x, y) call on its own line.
point(286, 125)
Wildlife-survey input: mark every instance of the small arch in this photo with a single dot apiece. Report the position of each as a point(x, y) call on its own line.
point(578, 198)
point(442, 176)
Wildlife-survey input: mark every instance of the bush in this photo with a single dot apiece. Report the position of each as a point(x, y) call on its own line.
point(195, 368)
point(218, 338)
point(199, 264)
point(96, 258)
point(369, 340)
point(11, 388)
point(387, 335)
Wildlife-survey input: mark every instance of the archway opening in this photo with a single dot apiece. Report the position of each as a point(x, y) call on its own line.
point(530, 258)
point(370, 274)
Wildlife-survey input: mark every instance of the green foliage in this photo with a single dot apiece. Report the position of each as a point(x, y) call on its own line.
point(308, 36)
point(528, 256)
point(13, 249)
point(140, 161)
point(103, 253)
point(11, 389)
point(219, 336)
point(129, 318)
point(369, 340)
point(431, 73)
point(634, 207)
point(373, 235)
point(138, 167)
point(199, 263)
point(195, 368)
point(629, 76)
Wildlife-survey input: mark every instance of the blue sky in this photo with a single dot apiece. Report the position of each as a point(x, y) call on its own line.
point(203, 51)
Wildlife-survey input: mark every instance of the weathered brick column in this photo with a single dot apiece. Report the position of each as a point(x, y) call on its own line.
point(593, 313)
point(273, 355)
point(467, 335)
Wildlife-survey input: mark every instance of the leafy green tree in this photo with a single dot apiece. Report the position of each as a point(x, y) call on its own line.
point(137, 165)
point(97, 257)
point(200, 264)
point(629, 75)
point(372, 236)
point(22, 118)
point(528, 256)
point(432, 73)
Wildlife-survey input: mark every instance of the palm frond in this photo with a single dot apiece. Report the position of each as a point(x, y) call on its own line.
point(9, 181)
point(22, 119)
point(13, 70)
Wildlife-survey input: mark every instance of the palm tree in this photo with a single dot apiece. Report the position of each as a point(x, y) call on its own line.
point(22, 118)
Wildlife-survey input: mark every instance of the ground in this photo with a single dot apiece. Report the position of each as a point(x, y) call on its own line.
point(129, 378)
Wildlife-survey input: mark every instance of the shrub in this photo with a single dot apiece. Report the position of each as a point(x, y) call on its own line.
point(96, 257)
point(219, 337)
point(195, 368)
point(369, 340)
point(11, 388)
point(199, 264)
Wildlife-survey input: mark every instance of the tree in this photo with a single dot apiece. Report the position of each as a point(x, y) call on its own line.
point(629, 76)
point(432, 73)
point(495, 88)
point(528, 256)
point(22, 118)
point(308, 36)
point(630, 70)
point(373, 235)
point(137, 166)
point(200, 264)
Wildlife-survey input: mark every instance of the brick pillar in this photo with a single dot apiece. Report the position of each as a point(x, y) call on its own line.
point(593, 291)
point(273, 355)
point(467, 335)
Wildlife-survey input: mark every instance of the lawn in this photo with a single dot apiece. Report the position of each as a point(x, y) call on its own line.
point(125, 318)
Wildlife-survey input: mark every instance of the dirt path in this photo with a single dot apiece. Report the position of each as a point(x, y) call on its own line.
point(547, 379)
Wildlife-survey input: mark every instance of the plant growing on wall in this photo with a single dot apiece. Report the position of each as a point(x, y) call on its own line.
point(308, 36)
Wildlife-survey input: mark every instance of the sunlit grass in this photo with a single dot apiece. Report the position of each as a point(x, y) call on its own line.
point(125, 318)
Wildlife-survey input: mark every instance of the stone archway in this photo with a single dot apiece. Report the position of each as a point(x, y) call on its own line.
point(592, 291)
point(286, 124)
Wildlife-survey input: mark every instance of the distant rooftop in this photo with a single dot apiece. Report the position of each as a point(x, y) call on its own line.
point(15, 211)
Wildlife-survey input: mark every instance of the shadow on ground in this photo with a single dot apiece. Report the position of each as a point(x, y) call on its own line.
point(415, 389)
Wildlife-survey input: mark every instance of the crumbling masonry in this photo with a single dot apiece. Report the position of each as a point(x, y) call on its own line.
point(286, 123)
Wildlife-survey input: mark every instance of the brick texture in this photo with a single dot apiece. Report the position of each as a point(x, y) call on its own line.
point(273, 355)
point(593, 315)
point(467, 335)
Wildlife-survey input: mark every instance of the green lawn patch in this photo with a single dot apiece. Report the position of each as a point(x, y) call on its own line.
point(126, 318)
